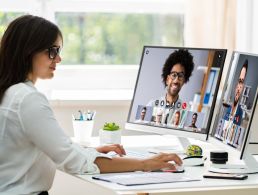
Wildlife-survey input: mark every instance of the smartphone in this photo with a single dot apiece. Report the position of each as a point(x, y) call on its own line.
point(225, 176)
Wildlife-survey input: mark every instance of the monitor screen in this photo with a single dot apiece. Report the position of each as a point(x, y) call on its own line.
point(176, 89)
point(235, 137)
point(234, 113)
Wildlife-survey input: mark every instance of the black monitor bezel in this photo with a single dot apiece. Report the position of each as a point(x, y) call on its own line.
point(247, 136)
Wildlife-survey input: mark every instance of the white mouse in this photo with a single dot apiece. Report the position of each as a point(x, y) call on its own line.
point(190, 161)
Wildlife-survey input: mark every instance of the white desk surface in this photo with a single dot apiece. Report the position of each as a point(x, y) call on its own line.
point(249, 186)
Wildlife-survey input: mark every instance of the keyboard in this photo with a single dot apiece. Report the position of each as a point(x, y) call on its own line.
point(137, 154)
point(141, 153)
point(132, 154)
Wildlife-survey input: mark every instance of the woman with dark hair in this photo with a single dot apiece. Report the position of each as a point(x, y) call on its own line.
point(32, 144)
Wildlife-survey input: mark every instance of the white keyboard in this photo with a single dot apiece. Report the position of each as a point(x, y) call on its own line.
point(137, 154)
point(140, 153)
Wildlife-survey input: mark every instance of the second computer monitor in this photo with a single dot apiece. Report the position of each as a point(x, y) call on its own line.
point(234, 113)
point(176, 90)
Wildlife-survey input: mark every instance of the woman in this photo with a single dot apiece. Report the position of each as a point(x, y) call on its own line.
point(32, 144)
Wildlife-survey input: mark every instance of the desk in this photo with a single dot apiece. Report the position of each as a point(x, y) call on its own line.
point(205, 186)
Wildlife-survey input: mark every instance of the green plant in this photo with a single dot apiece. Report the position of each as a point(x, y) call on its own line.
point(111, 127)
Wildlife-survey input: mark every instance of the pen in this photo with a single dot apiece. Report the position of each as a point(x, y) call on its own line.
point(93, 115)
point(81, 115)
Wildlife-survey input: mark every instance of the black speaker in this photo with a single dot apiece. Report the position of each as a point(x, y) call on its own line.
point(218, 157)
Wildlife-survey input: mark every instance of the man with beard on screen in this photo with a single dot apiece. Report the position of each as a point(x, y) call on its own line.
point(175, 73)
point(234, 112)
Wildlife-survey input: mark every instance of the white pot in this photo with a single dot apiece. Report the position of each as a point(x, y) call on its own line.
point(109, 137)
point(83, 131)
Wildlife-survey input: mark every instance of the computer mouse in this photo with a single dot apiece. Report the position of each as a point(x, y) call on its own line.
point(179, 169)
point(190, 161)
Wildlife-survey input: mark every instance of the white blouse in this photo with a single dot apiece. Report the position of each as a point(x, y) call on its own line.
point(33, 145)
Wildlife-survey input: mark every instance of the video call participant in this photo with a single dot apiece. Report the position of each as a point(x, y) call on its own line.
point(234, 111)
point(175, 73)
point(142, 116)
point(143, 111)
point(219, 130)
point(176, 119)
point(158, 118)
point(231, 133)
point(237, 140)
point(194, 120)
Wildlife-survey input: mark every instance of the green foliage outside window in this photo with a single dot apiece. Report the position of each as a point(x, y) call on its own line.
point(108, 38)
point(99, 38)
point(6, 18)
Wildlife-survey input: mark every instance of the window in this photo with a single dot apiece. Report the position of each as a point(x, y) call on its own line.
point(107, 33)
point(6, 18)
point(115, 38)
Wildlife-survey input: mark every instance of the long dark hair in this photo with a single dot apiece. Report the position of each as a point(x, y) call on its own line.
point(23, 38)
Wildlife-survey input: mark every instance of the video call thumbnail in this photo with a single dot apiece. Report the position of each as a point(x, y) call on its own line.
point(235, 109)
point(179, 118)
point(176, 87)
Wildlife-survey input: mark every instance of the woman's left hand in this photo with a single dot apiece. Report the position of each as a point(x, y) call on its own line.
point(117, 148)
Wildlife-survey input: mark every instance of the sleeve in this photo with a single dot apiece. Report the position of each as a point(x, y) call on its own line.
point(42, 129)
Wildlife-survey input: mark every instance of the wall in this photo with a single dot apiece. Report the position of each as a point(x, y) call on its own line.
point(107, 111)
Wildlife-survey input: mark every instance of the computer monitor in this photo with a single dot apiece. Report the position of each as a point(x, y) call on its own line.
point(176, 90)
point(233, 122)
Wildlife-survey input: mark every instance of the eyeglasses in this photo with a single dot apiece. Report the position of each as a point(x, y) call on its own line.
point(179, 75)
point(53, 52)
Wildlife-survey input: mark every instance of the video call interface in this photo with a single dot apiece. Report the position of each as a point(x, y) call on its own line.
point(235, 110)
point(176, 88)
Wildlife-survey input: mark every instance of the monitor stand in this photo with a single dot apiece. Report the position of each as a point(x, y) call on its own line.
point(250, 166)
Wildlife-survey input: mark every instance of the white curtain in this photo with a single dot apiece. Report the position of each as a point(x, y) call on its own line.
point(210, 23)
point(247, 26)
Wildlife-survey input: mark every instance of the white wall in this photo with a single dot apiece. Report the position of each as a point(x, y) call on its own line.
point(107, 111)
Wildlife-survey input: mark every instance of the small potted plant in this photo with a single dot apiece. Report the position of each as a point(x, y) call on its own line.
point(110, 134)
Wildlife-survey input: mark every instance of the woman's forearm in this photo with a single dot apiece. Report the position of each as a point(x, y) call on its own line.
point(123, 164)
point(117, 164)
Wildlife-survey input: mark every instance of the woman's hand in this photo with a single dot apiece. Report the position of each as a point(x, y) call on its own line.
point(117, 148)
point(161, 161)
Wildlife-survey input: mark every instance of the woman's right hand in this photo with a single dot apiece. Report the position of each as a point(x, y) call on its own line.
point(161, 161)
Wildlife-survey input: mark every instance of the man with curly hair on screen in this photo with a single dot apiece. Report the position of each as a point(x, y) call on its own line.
point(175, 73)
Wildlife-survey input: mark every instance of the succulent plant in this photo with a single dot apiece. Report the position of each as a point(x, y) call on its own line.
point(111, 127)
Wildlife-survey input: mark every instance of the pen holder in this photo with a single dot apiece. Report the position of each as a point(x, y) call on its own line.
point(83, 130)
